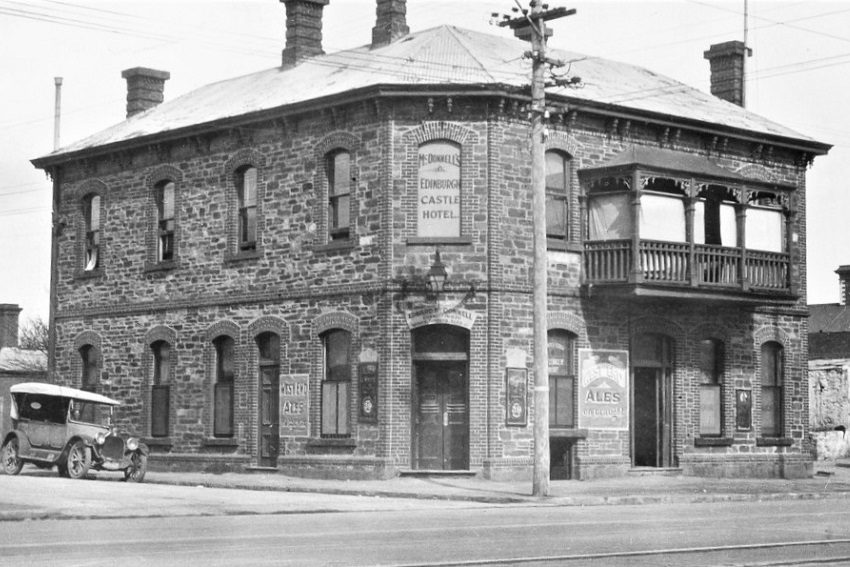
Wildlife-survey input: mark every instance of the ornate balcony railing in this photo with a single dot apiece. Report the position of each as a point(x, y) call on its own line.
point(700, 266)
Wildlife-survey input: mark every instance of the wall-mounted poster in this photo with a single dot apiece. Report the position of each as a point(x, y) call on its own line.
point(603, 392)
point(368, 374)
point(517, 389)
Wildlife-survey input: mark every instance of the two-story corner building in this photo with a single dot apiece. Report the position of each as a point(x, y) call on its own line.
point(325, 267)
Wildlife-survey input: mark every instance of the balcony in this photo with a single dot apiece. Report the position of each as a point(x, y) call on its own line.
point(671, 269)
point(661, 223)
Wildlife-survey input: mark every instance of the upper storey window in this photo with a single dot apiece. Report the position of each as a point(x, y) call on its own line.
point(246, 188)
point(438, 196)
point(339, 195)
point(557, 198)
point(91, 213)
point(165, 221)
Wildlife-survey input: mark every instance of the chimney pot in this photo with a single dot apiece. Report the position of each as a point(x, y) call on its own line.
point(727, 70)
point(145, 88)
point(9, 313)
point(390, 23)
point(303, 30)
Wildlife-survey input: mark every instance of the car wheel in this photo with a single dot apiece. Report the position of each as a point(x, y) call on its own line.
point(137, 469)
point(78, 461)
point(11, 457)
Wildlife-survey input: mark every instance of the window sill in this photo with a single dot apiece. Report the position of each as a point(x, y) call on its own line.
point(332, 442)
point(433, 240)
point(243, 256)
point(335, 245)
point(158, 442)
point(88, 274)
point(568, 433)
point(160, 267)
point(713, 441)
point(220, 442)
point(774, 442)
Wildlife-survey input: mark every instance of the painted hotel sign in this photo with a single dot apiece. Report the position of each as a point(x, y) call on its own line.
point(603, 393)
point(294, 405)
point(438, 196)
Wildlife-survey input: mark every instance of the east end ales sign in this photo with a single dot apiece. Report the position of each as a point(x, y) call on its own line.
point(438, 207)
point(603, 393)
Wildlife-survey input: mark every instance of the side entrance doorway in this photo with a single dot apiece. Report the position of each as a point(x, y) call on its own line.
point(441, 398)
point(268, 399)
point(652, 401)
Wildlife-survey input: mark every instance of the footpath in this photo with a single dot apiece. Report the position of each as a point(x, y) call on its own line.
point(831, 480)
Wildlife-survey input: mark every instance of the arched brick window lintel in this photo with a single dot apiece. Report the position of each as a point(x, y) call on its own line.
point(222, 328)
point(162, 173)
point(335, 320)
point(269, 324)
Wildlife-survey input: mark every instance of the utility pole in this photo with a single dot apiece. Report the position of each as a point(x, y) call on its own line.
point(531, 25)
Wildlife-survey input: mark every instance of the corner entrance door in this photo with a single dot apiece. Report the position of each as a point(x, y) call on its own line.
point(441, 429)
point(652, 416)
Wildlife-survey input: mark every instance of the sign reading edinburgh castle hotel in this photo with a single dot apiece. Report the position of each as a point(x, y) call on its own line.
point(439, 189)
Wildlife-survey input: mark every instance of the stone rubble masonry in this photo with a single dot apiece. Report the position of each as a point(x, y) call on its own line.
point(145, 88)
point(303, 30)
point(297, 276)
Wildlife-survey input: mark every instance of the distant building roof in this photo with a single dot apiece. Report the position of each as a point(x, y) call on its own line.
point(829, 318)
point(444, 56)
point(16, 360)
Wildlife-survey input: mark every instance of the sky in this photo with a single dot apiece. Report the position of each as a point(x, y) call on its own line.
point(799, 76)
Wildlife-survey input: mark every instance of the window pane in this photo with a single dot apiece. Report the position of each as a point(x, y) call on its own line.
point(340, 212)
point(223, 425)
point(662, 218)
point(561, 401)
point(770, 411)
point(771, 364)
point(556, 217)
point(764, 230)
point(224, 347)
point(339, 173)
point(162, 364)
point(93, 221)
point(710, 353)
point(159, 411)
point(248, 187)
point(329, 413)
point(337, 357)
point(609, 217)
point(269, 348)
point(709, 410)
point(166, 210)
point(556, 178)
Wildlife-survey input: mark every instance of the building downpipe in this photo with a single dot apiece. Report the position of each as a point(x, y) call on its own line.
point(145, 88)
point(390, 22)
point(303, 30)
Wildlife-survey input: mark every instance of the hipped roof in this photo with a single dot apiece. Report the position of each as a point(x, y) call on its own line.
point(445, 56)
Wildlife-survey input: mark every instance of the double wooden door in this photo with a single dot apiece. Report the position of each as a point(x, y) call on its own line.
point(441, 428)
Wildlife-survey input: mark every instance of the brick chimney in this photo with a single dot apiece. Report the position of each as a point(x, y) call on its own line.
point(391, 22)
point(9, 324)
point(144, 88)
point(727, 70)
point(303, 30)
point(844, 283)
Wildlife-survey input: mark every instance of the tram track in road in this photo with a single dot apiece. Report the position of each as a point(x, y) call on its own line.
point(795, 553)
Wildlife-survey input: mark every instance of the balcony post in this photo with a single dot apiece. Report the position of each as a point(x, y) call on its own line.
point(690, 208)
point(791, 282)
point(741, 221)
point(582, 232)
point(636, 274)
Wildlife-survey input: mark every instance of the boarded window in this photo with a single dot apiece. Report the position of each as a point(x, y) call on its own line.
point(711, 373)
point(165, 221)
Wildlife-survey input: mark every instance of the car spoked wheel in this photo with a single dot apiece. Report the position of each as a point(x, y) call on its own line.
point(138, 466)
point(78, 461)
point(11, 457)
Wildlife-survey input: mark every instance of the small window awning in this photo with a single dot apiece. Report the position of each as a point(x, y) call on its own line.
point(662, 161)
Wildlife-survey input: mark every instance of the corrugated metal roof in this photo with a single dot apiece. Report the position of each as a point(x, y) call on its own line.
point(829, 318)
point(444, 55)
point(660, 159)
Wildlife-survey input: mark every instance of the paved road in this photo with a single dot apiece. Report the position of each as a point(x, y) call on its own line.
point(191, 526)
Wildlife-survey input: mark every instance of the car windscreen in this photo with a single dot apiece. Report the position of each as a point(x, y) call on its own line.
point(41, 407)
point(90, 412)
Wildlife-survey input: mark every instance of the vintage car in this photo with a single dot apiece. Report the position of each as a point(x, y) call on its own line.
point(71, 429)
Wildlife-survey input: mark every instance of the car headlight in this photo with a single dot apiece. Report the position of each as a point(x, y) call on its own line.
point(132, 443)
point(101, 438)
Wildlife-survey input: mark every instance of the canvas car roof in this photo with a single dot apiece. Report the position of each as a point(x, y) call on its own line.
point(61, 391)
